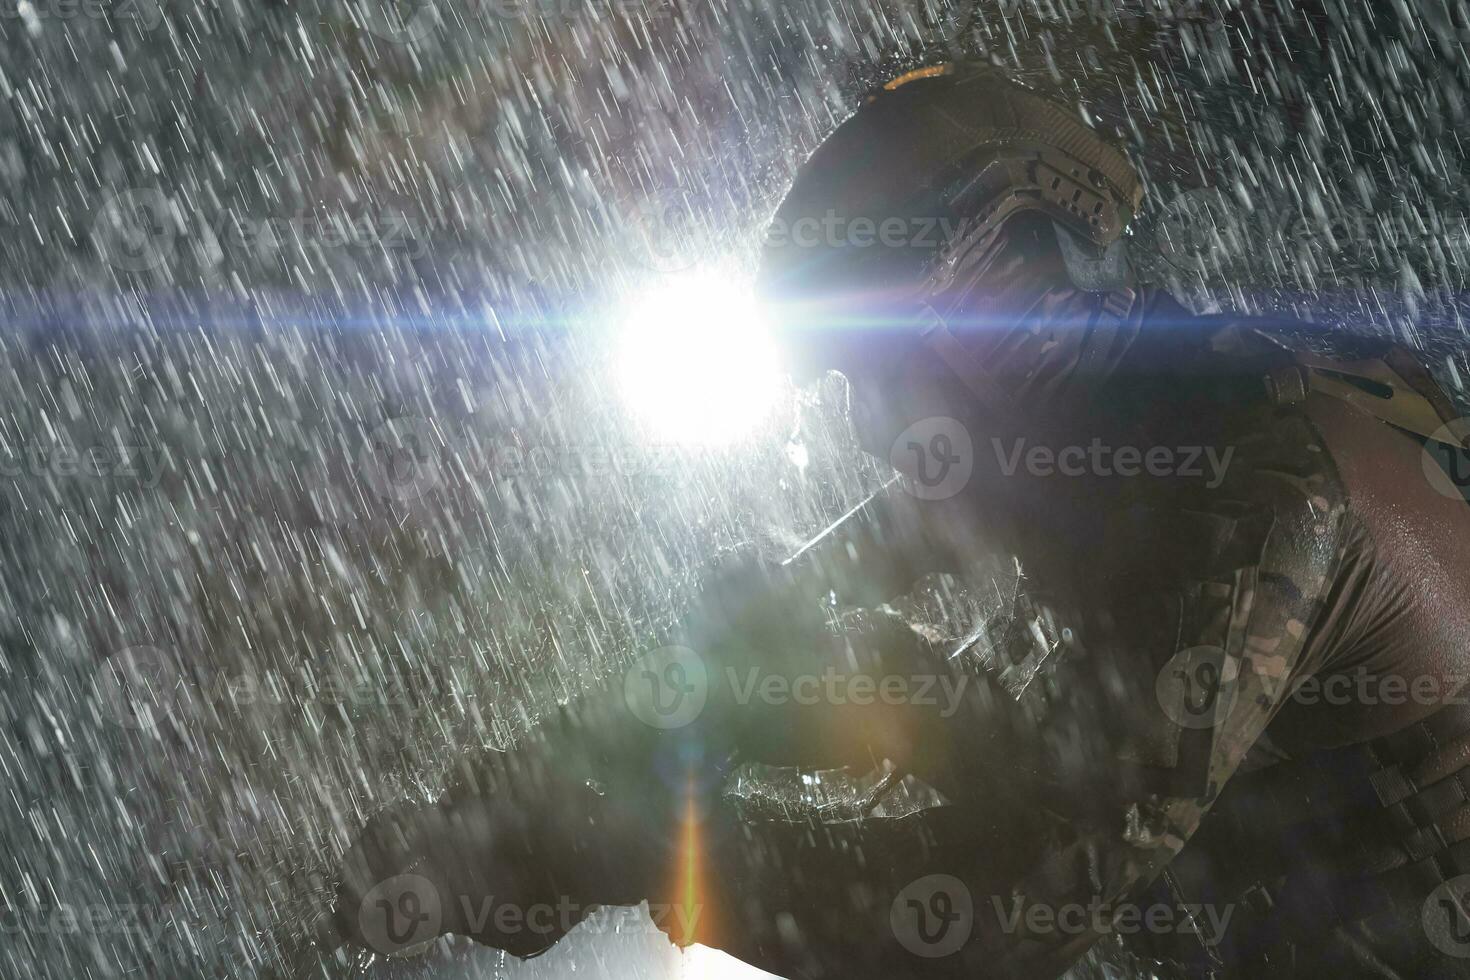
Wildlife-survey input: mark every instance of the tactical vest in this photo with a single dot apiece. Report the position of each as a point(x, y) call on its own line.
point(1335, 860)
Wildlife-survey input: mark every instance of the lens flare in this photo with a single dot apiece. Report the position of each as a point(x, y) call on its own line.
point(697, 364)
point(691, 894)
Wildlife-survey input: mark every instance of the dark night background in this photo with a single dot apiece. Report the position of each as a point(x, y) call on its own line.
point(247, 244)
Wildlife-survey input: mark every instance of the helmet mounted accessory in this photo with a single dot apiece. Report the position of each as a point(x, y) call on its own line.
point(957, 145)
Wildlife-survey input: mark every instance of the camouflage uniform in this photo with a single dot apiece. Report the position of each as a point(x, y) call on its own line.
point(1168, 618)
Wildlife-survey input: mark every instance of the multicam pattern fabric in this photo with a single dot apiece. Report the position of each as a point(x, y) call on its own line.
point(1265, 547)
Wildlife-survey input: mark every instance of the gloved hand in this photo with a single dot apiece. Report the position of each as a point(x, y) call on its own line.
point(506, 872)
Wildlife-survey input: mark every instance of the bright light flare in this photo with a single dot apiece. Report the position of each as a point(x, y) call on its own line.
point(691, 896)
point(697, 364)
point(702, 963)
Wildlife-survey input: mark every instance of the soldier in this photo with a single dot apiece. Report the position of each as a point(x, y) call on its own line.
point(1245, 621)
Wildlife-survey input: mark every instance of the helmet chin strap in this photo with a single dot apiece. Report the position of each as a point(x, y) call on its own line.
point(982, 384)
point(935, 338)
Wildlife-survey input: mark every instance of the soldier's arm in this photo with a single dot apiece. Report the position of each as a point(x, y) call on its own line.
point(1185, 654)
point(588, 803)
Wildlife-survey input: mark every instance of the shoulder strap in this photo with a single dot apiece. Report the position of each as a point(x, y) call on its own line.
point(1393, 388)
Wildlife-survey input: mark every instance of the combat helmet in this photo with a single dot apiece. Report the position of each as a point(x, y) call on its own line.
point(934, 159)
